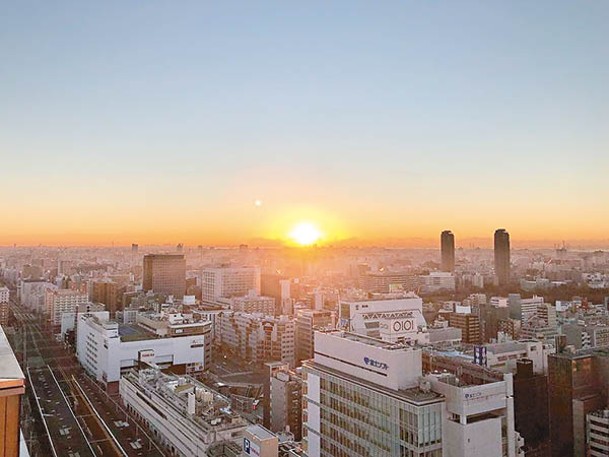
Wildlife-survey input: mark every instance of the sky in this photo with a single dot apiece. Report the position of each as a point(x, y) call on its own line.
point(378, 122)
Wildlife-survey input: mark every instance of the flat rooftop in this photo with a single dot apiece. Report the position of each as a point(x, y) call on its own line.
point(260, 432)
point(414, 395)
point(132, 332)
point(368, 340)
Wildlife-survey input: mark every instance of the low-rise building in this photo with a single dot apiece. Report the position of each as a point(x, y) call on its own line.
point(186, 416)
point(437, 281)
point(251, 303)
point(107, 349)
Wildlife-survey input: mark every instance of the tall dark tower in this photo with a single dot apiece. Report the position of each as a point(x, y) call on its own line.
point(502, 256)
point(447, 246)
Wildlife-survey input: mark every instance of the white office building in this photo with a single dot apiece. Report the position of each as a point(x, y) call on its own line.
point(364, 396)
point(503, 356)
point(227, 282)
point(478, 420)
point(107, 349)
point(437, 281)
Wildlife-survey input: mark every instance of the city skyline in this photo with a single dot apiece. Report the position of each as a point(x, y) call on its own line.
point(220, 124)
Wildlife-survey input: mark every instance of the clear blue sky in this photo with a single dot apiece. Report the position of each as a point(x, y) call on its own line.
point(419, 115)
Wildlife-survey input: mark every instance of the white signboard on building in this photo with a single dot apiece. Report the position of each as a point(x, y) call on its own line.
point(146, 356)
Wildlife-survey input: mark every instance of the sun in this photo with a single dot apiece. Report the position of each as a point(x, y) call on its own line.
point(305, 234)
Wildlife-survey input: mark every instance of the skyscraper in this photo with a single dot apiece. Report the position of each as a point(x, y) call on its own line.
point(165, 274)
point(447, 246)
point(502, 256)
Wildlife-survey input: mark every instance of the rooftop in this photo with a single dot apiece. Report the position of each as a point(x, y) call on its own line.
point(367, 340)
point(260, 432)
point(9, 367)
point(132, 332)
point(211, 411)
point(413, 394)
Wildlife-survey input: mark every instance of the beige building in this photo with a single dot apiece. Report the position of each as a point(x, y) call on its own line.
point(227, 282)
point(255, 337)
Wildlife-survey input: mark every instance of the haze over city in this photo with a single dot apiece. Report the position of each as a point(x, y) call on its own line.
point(304, 229)
point(234, 122)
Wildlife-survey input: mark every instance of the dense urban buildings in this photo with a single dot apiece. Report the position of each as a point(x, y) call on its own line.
point(262, 358)
point(228, 229)
point(165, 274)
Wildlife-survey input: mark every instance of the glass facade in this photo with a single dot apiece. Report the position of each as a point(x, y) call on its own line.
point(359, 421)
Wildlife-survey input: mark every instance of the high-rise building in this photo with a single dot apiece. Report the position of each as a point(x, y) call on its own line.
point(502, 256)
point(165, 274)
point(250, 303)
point(4, 294)
point(12, 387)
point(388, 281)
point(307, 321)
point(227, 282)
point(447, 245)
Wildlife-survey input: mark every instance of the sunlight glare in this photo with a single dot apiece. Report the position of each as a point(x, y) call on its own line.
point(305, 234)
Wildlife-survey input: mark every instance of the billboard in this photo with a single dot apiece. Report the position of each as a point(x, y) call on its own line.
point(146, 356)
point(402, 325)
